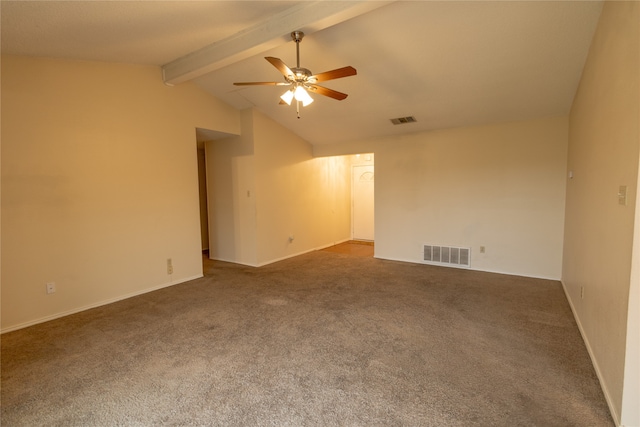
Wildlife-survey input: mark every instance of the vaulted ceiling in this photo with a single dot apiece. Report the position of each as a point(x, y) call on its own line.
point(446, 63)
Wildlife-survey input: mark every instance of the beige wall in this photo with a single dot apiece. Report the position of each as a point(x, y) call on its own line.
point(99, 183)
point(298, 196)
point(604, 141)
point(265, 187)
point(499, 186)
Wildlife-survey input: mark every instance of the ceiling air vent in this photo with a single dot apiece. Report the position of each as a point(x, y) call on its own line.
point(403, 120)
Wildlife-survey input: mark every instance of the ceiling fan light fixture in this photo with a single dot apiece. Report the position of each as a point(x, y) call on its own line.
point(287, 97)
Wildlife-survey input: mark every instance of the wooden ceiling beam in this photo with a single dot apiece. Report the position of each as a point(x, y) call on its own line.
point(275, 30)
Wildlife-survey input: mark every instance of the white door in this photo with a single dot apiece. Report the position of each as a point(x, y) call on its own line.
point(362, 195)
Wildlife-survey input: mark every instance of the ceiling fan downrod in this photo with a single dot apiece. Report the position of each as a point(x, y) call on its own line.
point(297, 37)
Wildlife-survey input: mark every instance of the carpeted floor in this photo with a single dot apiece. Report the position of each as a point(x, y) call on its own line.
point(322, 339)
point(353, 247)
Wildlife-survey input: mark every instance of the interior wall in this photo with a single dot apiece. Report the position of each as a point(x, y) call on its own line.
point(99, 183)
point(604, 146)
point(499, 186)
point(265, 187)
point(298, 196)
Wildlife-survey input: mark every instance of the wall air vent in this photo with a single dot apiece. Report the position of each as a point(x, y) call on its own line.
point(447, 255)
point(403, 120)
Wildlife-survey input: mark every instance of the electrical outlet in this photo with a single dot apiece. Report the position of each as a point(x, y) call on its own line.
point(169, 266)
point(482, 249)
point(51, 288)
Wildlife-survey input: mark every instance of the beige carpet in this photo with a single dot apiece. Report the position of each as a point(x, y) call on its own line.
point(322, 339)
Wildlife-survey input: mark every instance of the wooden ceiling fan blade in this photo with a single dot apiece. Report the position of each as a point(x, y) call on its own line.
point(281, 66)
point(334, 74)
point(262, 84)
point(328, 92)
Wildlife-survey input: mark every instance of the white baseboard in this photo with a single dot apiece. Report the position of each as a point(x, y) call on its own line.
point(271, 261)
point(317, 248)
point(594, 362)
point(231, 261)
point(98, 304)
point(435, 264)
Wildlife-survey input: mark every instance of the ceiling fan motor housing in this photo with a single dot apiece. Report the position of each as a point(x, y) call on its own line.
point(301, 75)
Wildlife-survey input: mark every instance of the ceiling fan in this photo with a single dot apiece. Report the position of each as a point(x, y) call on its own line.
point(302, 80)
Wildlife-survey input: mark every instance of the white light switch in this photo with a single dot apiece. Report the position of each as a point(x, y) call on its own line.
point(622, 195)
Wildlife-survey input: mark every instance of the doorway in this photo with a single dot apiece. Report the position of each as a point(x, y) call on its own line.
point(202, 192)
point(362, 195)
point(205, 140)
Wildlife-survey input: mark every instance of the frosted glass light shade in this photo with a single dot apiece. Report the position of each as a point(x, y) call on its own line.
point(287, 97)
point(302, 95)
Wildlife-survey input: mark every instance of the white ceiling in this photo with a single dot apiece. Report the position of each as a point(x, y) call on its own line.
point(448, 64)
